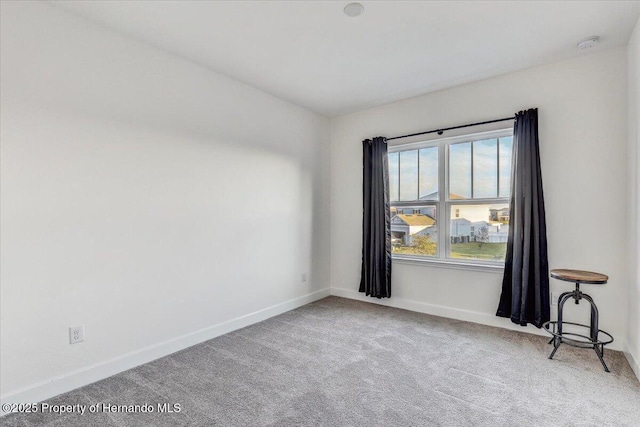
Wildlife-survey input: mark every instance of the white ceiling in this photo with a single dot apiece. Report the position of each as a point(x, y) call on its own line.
point(311, 54)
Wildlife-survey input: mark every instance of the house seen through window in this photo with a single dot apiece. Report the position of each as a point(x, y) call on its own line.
point(450, 197)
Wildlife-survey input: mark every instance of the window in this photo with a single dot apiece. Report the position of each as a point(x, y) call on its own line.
point(450, 198)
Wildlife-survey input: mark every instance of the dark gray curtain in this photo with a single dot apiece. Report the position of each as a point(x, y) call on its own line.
point(375, 276)
point(525, 285)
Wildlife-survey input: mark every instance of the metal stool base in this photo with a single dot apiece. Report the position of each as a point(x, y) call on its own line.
point(579, 340)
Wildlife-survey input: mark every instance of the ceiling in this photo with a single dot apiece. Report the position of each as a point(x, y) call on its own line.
point(311, 54)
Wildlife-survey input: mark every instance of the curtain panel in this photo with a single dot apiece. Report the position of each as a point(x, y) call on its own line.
point(375, 278)
point(525, 285)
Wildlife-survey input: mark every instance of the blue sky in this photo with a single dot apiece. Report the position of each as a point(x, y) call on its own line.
point(424, 162)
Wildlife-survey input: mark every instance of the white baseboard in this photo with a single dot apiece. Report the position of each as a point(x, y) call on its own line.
point(633, 362)
point(451, 313)
point(75, 379)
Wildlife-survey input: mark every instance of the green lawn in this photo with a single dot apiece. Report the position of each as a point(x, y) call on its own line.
point(413, 250)
point(424, 246)
point(488, 251)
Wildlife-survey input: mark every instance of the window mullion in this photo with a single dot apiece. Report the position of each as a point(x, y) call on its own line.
point(418, 176)
point(443, 191)
point(498, 166)
point(399, 177)
point(472, 169)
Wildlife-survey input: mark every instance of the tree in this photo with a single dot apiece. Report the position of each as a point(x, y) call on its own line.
point(482, 235)
point(420, 245)
point(424, 245)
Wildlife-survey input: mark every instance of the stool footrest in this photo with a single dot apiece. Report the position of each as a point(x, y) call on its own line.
point(582, 341)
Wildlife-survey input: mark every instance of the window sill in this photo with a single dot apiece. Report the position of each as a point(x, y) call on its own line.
point(451, 264)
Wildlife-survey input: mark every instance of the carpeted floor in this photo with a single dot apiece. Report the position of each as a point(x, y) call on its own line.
point(339, 362)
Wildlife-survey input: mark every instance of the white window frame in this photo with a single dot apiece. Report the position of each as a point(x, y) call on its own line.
point(443, 205)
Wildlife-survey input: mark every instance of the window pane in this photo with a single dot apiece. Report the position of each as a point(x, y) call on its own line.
point(460, 171)
point(414, 230)
point(429, 173)
point(506, 148)
point(409, 175)
point(479, 232)
point(485, 168)
point(393, 176)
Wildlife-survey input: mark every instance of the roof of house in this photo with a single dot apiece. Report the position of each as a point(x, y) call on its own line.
point(434, 196)
point(464, 220)
point(430, 196)
point(416, 219)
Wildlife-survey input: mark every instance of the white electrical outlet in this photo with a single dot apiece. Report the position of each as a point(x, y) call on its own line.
point(76, 334)
point(554, 298)
point(304, 277)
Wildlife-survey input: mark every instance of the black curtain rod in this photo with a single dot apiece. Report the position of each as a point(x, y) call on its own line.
point(441, 131)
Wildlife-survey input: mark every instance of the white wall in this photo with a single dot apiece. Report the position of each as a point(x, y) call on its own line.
point(142, 196)
point(582, 113)
point(633, 93)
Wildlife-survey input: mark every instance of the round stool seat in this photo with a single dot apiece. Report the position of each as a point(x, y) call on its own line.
point(579, 276)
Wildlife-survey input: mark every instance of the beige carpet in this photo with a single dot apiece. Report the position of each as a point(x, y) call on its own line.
point(339, 362)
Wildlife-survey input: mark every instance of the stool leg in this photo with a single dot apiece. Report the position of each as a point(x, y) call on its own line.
point(556, 340)
point(594, 328)
point(553, 337)
point(594, 318)
point(600, 356)
point(563, 298)
point(556, 345)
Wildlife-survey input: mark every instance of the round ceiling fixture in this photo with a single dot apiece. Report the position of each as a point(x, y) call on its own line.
point(588, 43)
point(353, 9)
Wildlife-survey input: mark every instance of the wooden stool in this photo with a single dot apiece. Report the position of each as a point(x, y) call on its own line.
point(573, 339)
